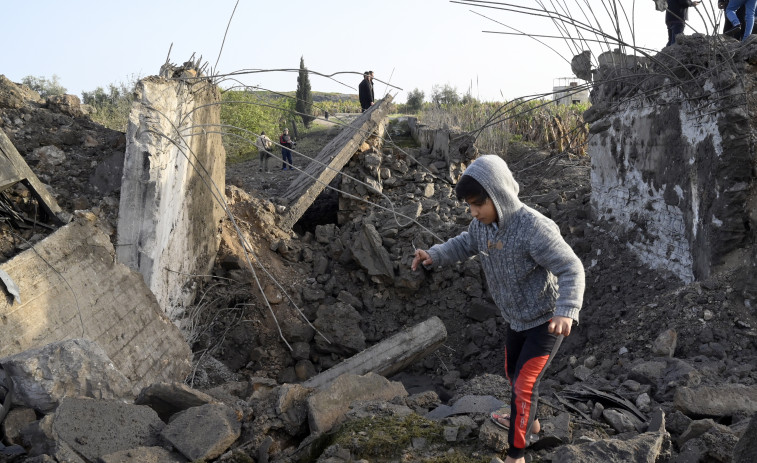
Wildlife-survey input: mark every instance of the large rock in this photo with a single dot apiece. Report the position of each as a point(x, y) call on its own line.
point(93, 428)
point(340, 323)
point(725, 400)
point(746, 449)
point(645, 448)
point(716, 444)
point(204, 432)
point(327, 407)
point(73, 368)
point(291, 407)
point(170, 398)
point(369, 252)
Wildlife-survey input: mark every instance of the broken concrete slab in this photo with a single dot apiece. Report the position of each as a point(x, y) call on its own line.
point(13, 169)
point(644, 448)
point(204, 432)
point(328, 406)
point(716, 401)
point(73, 288)
point(319, 172)
point(92, 428)
point(687, 195)
point(173, 186)
point(168, 399)
point(390, 355)
point(72, 368)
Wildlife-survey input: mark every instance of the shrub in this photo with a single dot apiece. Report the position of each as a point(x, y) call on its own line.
point(44, 87)
point(414, 101)
point(111, 107)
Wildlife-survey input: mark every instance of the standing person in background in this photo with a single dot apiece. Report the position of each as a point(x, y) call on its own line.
point(286, 143)
point(365, 90)
point(264, 145)
point(676, 16)
point(738, 30)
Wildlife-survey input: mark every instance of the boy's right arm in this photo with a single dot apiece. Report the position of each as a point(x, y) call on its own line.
point(456, 249)
point(421, 257)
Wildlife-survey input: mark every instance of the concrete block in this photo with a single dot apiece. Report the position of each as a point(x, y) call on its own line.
point(71, 287)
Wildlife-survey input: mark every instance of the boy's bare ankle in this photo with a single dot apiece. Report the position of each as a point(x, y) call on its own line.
point(513, 460)
point(536, 427)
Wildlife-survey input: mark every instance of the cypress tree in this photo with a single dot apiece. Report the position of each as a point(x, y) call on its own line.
point(304, 103)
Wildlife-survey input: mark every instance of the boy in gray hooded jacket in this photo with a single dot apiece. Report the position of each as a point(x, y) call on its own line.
point(533, 275)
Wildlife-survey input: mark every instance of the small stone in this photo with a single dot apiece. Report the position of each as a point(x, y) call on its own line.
point(665, 344)
point(581, 373)
point(631, 385)
point(618, 420)
point(596, 413)
point(643, 402)
point(450, 433)
point(707, 315)
point(623, 351)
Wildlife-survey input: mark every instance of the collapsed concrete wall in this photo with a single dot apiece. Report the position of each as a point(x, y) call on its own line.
point(673, 159)
point(173, 182)
point(71, 287)
point(318, 174)
point(453, 147)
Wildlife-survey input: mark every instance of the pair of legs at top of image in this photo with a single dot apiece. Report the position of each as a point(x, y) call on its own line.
point(739, 30)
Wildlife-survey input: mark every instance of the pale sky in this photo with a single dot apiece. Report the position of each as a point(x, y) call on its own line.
point(411, 43)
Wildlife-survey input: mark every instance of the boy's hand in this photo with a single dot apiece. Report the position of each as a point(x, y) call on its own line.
point(422, 257)
point(560, 325)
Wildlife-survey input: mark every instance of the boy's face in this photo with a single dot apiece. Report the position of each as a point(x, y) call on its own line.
point(484, 210)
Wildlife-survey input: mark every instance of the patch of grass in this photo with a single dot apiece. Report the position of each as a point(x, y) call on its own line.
point(386, 436)
point(457, 457)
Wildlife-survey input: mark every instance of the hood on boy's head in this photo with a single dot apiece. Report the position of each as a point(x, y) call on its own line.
point(492, 173)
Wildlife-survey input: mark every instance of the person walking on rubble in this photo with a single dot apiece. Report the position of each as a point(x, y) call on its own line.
point(737, 30)
point(533, 275)
point(287, 144)
point(676, 16)
point(264, 145)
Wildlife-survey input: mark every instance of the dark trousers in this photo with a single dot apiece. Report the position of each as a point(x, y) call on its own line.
point(673, 30)
point(286, 156)
point(527, 356)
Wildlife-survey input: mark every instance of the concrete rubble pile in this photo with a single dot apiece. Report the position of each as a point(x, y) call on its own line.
point(661, 368)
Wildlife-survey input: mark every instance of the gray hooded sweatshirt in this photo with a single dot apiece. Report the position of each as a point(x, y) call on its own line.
point(531, 272)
